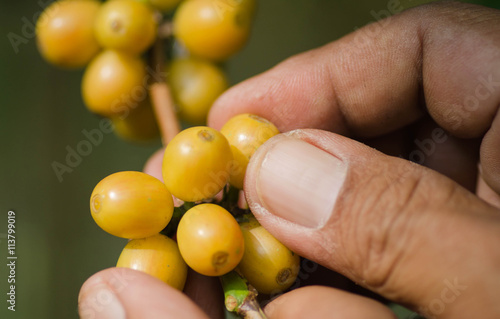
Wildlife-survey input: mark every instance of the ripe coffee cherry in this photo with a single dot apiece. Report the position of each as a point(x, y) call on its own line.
point(246, 133)
point(114, 83)
point(267, 264)
point(139, 125)
point(131, 205)
point(210, 240)
point(213, 29)
point(65, 33)
point(195, 84)
point(197, 164)
point(125, 25)
point(157, 256)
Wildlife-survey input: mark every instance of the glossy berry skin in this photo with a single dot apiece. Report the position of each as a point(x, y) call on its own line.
point(138, 126)
point(114, 83)
point(125, 25)
point(213, 29)
point(157, 256)
point(238, 168)
point(267, 264)
point(65, 35)
point(131, 205)
point(196, 164)
point(195, 85)
point(164, 5)
point(210, 240)
point(246, 133)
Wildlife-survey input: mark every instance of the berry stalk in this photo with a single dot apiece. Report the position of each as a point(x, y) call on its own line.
point(240, 297)
point(161, 96)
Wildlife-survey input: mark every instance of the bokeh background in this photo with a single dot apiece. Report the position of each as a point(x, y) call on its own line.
point(41, 114)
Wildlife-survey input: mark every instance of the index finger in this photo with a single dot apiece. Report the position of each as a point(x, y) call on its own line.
point(441, 58)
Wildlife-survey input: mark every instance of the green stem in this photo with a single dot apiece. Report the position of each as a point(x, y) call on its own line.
point(171, 228)
point(240, 297)
point(230, 201)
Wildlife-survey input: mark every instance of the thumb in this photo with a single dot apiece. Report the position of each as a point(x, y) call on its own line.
point(397, 228)
point(126, 293)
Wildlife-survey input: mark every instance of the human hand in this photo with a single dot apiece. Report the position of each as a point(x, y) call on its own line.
point(402, 230)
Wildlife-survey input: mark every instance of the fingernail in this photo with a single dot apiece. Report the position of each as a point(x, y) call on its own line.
point(300, 182)
point(99, 302)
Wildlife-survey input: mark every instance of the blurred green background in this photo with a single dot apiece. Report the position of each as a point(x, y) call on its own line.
point(58, 243)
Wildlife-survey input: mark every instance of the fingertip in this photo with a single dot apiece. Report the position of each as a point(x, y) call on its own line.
point(490, 156)
point(126, 293)
point(324, 302)
point(241, 98)
point(154, 163)
point(196, 288)
point(294, 94)
point(98, 295)
point(218, 114)
point(485, 192)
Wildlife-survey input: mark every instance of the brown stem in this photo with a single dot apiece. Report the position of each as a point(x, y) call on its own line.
point(250, 309)
point(161, 97)
point(165, 112)
point(165, 30)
